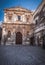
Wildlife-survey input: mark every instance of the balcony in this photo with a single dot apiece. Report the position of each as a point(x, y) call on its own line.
point(39, 27)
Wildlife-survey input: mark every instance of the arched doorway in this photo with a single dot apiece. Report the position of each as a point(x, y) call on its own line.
point(18, 38)
point(32, 40)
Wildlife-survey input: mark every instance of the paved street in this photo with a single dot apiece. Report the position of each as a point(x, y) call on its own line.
point(22, 55)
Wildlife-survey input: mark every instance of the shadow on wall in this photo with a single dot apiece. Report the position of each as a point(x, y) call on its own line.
point(0, 35)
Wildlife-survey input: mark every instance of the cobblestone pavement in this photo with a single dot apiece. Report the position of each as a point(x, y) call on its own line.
point(22, 55)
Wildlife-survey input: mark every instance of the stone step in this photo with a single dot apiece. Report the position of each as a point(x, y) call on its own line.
point(10, 43)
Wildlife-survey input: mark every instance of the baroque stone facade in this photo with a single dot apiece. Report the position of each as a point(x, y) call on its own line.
point(18, 25)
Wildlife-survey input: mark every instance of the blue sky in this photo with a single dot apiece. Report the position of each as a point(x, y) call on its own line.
point(28, 4)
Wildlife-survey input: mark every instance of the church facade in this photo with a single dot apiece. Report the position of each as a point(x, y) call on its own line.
point(18, 25)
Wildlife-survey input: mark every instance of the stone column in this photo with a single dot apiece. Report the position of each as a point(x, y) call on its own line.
point(23, 37)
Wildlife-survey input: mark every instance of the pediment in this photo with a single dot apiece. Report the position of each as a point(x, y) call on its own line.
point(18, 8)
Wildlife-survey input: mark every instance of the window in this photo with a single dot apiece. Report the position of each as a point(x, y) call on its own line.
point(27, 19)
point(36, 22)
point(18, 17)
point(10, 17)
point(27, 32)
